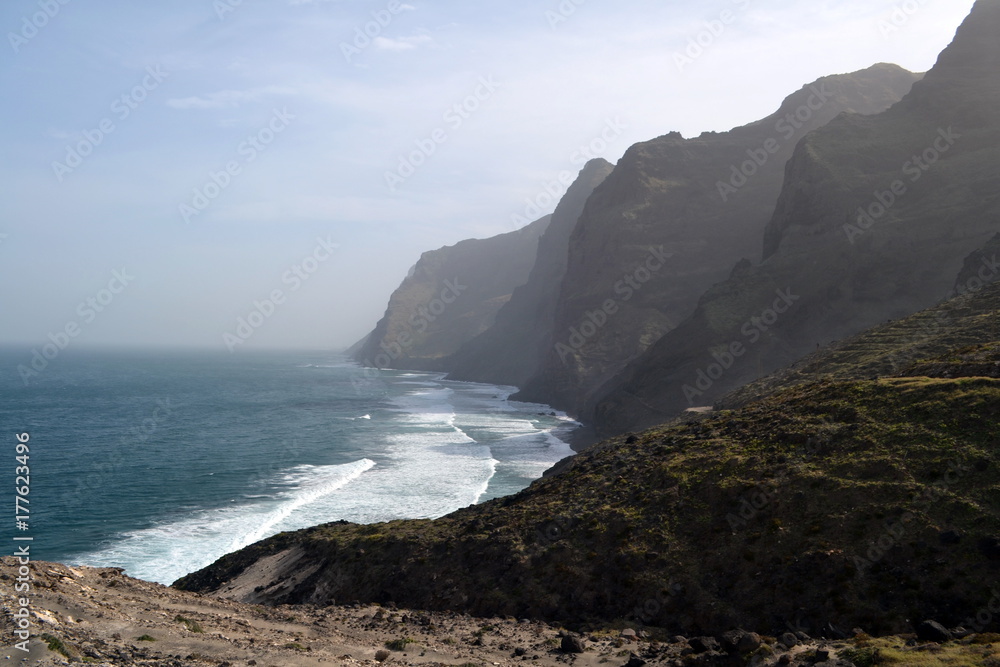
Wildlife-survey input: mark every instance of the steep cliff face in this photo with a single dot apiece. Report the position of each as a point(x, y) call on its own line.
point(451, 296)
point(875, 220)
point(511, 350)
point(671, 220)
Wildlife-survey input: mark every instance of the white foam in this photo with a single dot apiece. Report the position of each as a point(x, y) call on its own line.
point(436, 446)
point(171, 549)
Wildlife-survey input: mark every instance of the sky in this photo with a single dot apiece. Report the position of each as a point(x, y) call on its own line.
point(253, 174)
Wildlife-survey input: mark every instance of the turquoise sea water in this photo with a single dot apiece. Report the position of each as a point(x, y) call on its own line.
point(162, 462)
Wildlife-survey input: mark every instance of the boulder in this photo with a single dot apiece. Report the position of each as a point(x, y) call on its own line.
point(572, 644)
point(932, 631)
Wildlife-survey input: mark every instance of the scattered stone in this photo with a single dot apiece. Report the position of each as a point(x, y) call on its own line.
point(572, 644)
point(788, 640)
point(932, 631)
point(704, 644)
point(635, 661)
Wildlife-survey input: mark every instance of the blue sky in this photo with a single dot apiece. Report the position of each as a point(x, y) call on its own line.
point(215, 150)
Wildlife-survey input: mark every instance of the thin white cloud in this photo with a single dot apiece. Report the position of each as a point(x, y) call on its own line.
point(403, 43)
point(224, 99)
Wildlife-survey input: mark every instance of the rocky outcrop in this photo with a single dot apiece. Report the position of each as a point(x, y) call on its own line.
point(672, 220)
point(875, 220)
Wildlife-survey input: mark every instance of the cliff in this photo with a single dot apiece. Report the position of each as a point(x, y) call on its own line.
point(672, 220)
point(449, 297)
point(511, 350)
point(875, 221)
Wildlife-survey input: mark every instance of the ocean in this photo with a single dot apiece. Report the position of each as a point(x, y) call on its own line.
point(161, 462)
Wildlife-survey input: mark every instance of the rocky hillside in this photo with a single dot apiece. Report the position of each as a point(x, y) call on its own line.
point(511, 351)
point(671, 221)
point(966, 323)
point(451, 296)
point(875, 221)
point(825, 506)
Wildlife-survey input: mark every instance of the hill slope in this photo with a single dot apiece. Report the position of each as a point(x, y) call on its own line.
point(836, 503)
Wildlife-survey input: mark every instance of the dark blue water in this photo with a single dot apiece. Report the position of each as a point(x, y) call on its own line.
point(162, 462)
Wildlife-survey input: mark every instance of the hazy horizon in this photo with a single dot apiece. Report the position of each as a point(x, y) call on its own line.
point(172, 170)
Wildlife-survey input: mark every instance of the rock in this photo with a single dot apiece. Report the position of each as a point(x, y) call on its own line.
point(789, 640)
point(629, 634)
point(731, 640)
point(932, 631)
point(678, 639)
point(822, 655)
point(635, 661)
point(990, 547)
point(704, 644)
point(950, 537)
point(749, 642)
point(519, 652)
point(572, 644)
point(803, 637)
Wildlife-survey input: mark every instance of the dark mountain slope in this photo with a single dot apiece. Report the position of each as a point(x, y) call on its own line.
point(672, 220)
point(877, 215)
point(510, 351)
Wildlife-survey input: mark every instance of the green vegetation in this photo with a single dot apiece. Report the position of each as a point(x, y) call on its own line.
point(145, 638)
point(57, 645)
point(191, 625)
point(398, 644)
